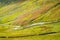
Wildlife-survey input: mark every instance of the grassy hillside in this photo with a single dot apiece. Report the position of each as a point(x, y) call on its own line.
point(29, 19)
